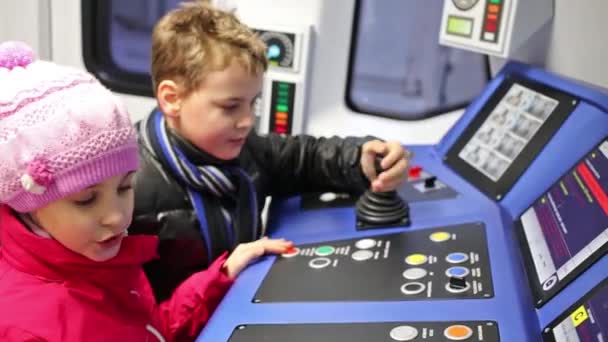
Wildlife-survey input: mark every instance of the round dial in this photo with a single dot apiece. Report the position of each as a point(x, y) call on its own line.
point(464, 4)
point(279, 48)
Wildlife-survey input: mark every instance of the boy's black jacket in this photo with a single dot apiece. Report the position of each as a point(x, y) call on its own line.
point(279, 166)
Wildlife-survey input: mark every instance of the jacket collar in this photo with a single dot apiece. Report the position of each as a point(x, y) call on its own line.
point(48, 259)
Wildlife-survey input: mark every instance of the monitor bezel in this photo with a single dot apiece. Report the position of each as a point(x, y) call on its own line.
point(497, 190)
point(541, 297)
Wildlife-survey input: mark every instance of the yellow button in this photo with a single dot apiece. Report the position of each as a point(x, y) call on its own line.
point(416, 259)
point(440, 236)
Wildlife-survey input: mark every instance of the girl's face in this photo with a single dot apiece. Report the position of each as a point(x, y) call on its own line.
point(94, 221)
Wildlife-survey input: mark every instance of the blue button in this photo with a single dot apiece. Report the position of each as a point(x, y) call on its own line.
point(456, 258)
point(457, 271)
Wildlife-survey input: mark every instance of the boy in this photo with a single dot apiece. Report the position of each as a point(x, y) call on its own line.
point(204, 172)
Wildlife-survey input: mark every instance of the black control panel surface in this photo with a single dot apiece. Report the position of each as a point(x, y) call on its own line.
point(473, 331)
point(445, 262)
point(420, 187)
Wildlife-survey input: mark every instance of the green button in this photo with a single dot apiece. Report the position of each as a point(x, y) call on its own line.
point(282, 108)
point(324, 250)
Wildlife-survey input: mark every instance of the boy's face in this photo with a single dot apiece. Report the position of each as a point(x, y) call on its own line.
point(218, 116)
point(94, 221)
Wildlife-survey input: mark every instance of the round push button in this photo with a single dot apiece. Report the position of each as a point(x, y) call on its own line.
point(291, 252)
point(416, 259)
point(458, 332)
point(412, 288)
point(456, 258)
point(457, 271)
point(319, 262)
point(414, 273)
point(440, 236)
point(404, 333)
point(325, 250)
point(365, 243)
point(328, 197)
point(362, 255)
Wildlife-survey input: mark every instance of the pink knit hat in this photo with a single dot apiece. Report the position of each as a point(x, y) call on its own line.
point(61, 131)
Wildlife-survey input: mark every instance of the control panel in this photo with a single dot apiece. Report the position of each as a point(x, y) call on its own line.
point(449, 262)
point(517, 254)
point(281, 106)
point(365, 332)
point(493, 27)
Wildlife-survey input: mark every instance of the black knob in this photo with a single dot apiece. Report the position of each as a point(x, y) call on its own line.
point(430, 182)
point(382, 208)
point(458, 283)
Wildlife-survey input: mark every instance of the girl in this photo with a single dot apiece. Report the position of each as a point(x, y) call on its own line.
point(68, 270)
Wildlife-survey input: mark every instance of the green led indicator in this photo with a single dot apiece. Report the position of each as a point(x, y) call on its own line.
point(495, 1)
point(282, 100)
point(283, 93)
point(284, 86)
point(282, 108)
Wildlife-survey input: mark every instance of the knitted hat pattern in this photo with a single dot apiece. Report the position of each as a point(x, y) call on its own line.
point(61, 131)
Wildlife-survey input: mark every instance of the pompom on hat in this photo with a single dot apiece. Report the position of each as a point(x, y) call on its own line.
point(61, 131)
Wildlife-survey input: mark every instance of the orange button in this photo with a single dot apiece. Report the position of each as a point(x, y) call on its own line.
point(458, 332)
point(493, 9)
point(281, 115)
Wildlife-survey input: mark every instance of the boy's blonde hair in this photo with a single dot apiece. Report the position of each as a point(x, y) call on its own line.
point(190, 42)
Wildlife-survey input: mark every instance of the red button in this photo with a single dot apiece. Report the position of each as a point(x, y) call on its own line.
point(415, 171)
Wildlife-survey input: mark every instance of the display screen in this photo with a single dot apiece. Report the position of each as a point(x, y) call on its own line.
point(567, 228)
point(460, 26)
point(507, 130)
point(587, 321)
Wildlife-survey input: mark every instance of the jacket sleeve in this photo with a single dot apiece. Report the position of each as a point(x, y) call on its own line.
point(182, 316)
point(14, 334)
point(305, 163)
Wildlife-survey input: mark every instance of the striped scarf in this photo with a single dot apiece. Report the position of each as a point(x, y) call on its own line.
point(221, 193)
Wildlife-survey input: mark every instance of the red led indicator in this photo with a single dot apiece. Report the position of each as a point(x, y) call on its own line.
point(491, 26)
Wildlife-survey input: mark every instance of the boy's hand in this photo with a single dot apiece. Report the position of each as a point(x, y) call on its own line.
point(245, 253)
point(394, 162)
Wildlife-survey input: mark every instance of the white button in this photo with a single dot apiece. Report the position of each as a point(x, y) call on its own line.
point(414, 273)
point(549, 283)
point(362, 255)
point(328, 197)
point(365, 243)
point(412, 288)
point(319, 262)
point(404, 333)
point(489, 36)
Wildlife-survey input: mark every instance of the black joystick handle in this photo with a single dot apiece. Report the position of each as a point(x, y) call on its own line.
point(381, 209)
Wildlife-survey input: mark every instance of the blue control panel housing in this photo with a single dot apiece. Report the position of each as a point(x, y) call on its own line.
point(512, 306)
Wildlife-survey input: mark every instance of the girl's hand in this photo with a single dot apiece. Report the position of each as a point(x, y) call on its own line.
point(245, 253)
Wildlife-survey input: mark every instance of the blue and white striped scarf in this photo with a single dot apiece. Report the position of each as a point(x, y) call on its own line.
point(222, 195)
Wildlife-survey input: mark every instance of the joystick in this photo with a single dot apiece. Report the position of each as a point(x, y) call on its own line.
point(381, 209)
